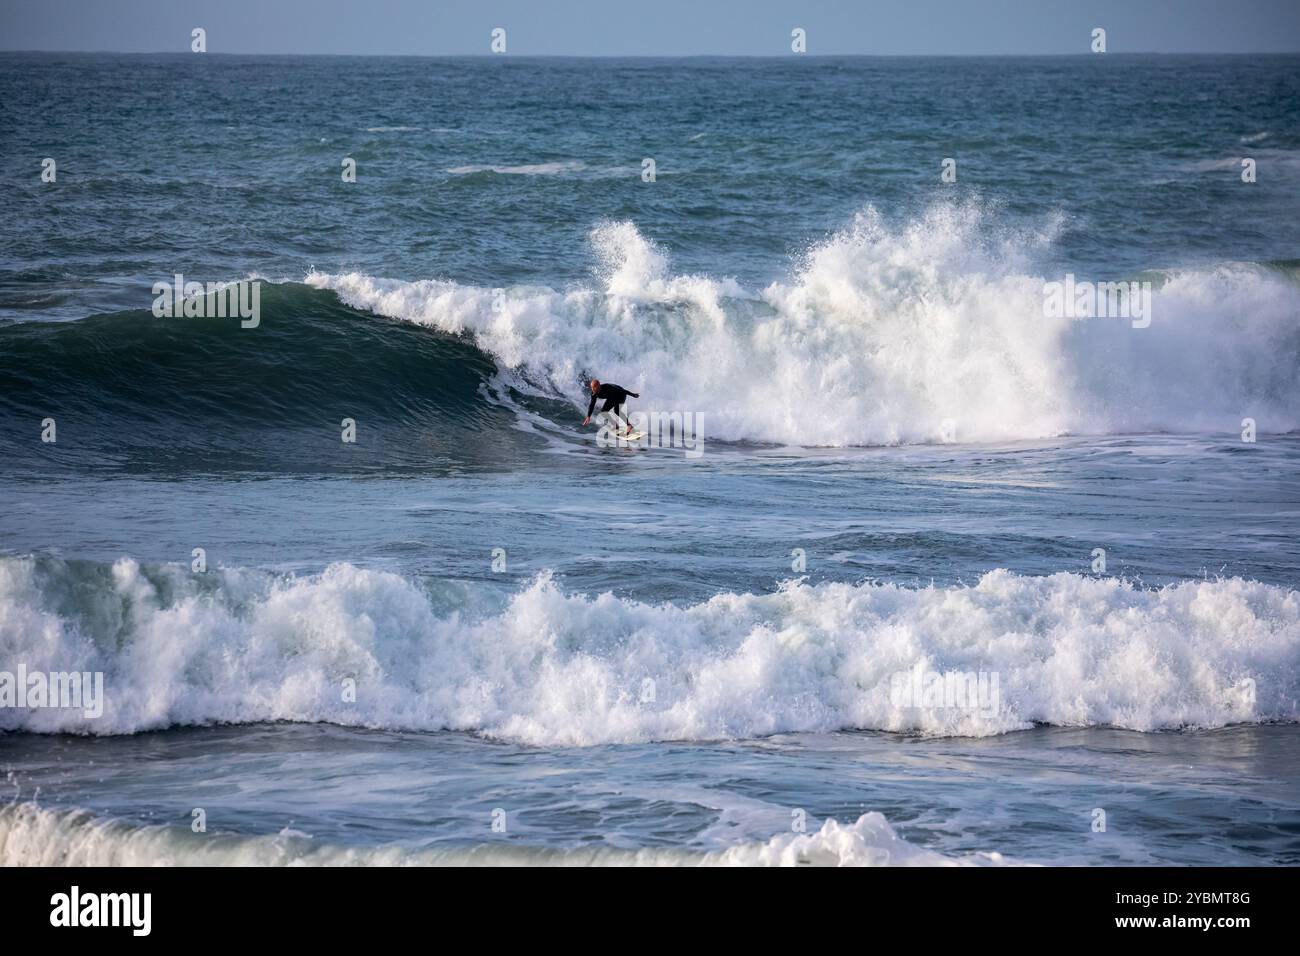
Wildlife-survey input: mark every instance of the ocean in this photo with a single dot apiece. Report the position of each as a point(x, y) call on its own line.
point(914, 570)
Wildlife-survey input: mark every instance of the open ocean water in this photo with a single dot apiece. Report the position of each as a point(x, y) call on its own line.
point(476, 634)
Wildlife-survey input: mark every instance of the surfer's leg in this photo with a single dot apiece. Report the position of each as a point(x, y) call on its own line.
point(614, 408)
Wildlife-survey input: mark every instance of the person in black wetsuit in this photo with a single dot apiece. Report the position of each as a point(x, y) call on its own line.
point(614, 396)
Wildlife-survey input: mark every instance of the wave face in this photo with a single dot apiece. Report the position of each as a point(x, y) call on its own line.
point(129, 389)
point(884, 335)
point(555, 669)
point(33, 836)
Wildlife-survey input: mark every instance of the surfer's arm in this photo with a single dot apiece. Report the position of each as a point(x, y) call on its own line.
point(591, 407)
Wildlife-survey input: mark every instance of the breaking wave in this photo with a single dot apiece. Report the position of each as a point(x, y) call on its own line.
point(887, 335)
point(556, 669)
point(932, 330)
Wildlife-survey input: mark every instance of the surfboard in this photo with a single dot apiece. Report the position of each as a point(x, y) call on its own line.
point(622, 429)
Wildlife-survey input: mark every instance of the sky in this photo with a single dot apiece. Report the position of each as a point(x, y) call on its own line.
point(653, 27)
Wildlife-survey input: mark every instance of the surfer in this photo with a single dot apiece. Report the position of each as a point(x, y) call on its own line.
point(614, 396)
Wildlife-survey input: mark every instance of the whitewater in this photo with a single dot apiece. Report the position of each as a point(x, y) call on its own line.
point(552, 669)
point(930, 330)
point(32, 836)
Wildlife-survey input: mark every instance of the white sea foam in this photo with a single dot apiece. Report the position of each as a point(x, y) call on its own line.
point(934, 330)
point(559, 669)
point(528, 169)
point(33, 836)
point(1273, 159)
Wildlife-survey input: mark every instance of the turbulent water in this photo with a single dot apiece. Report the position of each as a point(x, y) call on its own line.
point(474, 613)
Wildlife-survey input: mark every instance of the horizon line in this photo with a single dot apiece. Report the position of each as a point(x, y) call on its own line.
point(658, 56)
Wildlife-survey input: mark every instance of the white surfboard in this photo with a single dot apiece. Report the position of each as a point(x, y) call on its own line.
point(622, 429)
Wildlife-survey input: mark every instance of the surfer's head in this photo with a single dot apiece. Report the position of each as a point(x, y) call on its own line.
point(595, 384)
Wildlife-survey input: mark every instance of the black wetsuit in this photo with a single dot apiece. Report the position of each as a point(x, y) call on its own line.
point(614, 396)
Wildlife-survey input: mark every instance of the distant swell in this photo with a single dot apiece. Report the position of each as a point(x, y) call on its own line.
point(558, 669)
